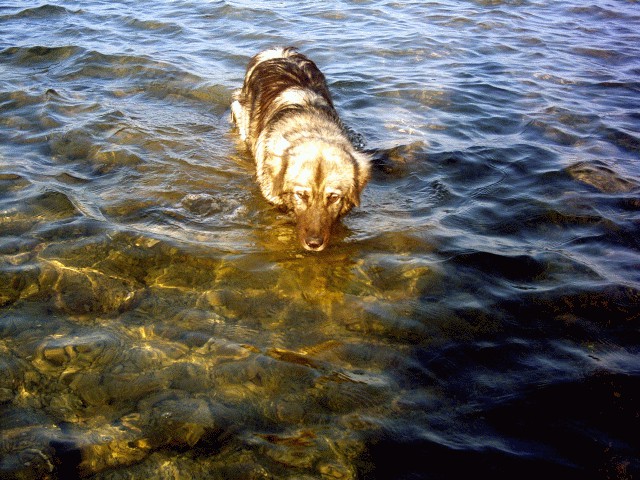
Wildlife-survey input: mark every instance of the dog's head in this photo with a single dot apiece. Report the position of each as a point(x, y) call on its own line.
point(322, 182)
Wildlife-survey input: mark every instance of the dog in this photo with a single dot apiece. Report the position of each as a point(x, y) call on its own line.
point(305, 162)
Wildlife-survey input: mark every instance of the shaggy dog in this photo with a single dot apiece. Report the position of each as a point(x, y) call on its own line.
point(305, 162)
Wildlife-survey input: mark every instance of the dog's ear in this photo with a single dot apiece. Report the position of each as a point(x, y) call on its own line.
point(361, 177)
point(352, 200)
point(272, 169)
point(363, 173)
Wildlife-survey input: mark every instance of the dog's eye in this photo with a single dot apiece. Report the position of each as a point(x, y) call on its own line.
point(333, 198)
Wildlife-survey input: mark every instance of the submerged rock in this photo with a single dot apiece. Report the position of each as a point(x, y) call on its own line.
point(79, 291)
point(602, 177)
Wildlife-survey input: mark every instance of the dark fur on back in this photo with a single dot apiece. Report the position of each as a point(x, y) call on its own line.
point(270, 78)
point(267, 79)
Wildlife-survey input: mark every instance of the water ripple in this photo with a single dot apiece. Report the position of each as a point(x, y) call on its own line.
point(479, 310)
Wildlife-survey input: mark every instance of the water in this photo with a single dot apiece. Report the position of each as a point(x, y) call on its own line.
point(479, 312)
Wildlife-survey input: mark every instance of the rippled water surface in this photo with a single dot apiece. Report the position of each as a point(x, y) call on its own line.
point(479, 312)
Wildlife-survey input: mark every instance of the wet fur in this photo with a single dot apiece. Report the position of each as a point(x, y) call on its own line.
point(305, 162)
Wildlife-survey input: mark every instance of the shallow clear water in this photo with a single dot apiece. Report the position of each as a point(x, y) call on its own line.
point(480, 311)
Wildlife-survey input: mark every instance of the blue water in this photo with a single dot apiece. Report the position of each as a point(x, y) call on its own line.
point(479, 312)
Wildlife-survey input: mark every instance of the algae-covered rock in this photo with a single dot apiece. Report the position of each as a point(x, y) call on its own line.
point(601, 176)
point(88, 291)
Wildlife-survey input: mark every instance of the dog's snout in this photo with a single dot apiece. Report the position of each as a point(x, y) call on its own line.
point(314, 243)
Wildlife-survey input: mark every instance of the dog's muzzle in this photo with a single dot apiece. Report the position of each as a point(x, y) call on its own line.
point(314, 229)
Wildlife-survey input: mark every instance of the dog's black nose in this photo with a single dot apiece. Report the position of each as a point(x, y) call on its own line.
point(314, 243)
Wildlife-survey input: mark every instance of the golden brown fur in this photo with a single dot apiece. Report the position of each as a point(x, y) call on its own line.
point(305, 162)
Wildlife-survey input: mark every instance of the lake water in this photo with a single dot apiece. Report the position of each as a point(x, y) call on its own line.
point(479, 312)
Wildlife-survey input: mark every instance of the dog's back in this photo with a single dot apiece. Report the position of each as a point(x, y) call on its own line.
point(279, 80)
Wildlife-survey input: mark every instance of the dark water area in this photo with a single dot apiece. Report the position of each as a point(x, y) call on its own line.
point(478, 314)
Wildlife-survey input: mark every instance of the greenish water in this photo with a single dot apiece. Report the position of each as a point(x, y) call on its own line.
point(479, 311)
